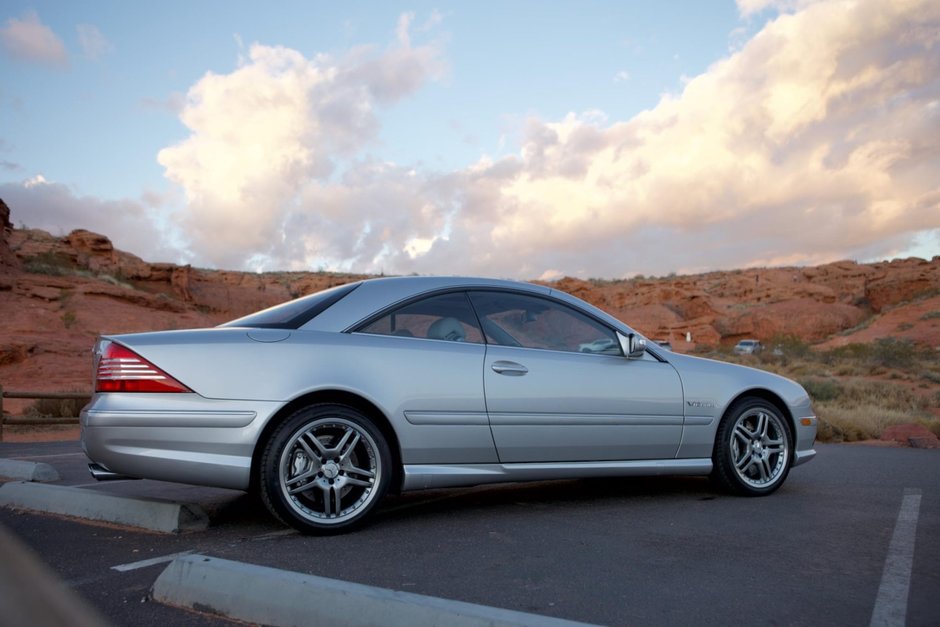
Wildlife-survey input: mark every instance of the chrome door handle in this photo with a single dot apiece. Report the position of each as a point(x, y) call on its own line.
point(509, 368)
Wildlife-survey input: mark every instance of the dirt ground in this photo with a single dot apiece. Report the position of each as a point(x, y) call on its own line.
point(50, 433)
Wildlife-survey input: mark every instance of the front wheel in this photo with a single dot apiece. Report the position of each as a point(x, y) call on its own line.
point(753, 448)
point(324, 469)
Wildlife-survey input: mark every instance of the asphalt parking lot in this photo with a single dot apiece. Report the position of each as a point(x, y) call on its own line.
point(829, 548)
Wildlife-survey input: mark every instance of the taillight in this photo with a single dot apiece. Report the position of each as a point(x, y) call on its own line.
point(122, 370)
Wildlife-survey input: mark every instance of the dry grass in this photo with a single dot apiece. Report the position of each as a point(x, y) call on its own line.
point(858, 390)
point(56, 408)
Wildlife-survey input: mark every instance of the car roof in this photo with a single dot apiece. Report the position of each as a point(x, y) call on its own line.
point(373, 295)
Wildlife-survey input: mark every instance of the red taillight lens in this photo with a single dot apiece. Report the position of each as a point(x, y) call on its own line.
point(122, 370)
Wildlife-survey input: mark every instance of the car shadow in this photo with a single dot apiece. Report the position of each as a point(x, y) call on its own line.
point(543, 494)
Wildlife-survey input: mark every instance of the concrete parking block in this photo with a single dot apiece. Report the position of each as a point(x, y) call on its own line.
point(27, 471)
point(152, 514)
point(257, 594)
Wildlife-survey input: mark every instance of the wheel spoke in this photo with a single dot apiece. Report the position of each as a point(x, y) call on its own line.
point(302, 488)
point(304, 475)
point(352, 470)
point(338, 503)
point(344, 455)
point(761, 429)
point(321, 450)
point(740, 463)
point(764, 467)
point(336, 450)
point(742, 433)
point(327, 500)
point(358, 482)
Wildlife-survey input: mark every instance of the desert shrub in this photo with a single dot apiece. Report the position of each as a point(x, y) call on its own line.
point(883, 353)
point(790, 345)
point(858, 409)
point(842, 424)
point(931, 315)
point(56, 408)
point(822, 390)
point(49, 263)
point(68, 319)
point(115, 280)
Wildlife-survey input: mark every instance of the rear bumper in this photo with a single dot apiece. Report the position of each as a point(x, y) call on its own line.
point(175, 437)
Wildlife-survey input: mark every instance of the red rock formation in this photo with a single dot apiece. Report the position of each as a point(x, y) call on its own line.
point(7, 258)
point(57, 294)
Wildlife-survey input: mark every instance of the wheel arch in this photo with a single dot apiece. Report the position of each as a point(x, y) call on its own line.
point(770, 397)
point(338, 397)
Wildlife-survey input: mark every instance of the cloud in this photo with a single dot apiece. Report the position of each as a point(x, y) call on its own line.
point(92, 42)
point(817, 139)
point(41, 204)
point(28, 39)
point(266, 139)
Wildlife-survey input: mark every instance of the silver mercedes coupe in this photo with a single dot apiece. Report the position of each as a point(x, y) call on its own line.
point(326, 403)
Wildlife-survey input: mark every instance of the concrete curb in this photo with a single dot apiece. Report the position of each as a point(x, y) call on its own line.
point(257, 594)
point(151, 514)
point(27, 471)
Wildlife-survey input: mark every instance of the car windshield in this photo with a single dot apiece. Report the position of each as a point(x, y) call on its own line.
point(295, 313)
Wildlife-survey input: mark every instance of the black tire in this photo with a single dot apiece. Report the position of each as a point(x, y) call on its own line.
point(336, 462)
point(753, 448)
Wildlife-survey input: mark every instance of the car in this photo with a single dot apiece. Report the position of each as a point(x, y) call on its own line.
point(325, 404)
point(748, 347)
point(601, 345)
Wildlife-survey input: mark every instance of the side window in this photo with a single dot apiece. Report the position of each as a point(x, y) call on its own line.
point(531, 322)
point(444, 317)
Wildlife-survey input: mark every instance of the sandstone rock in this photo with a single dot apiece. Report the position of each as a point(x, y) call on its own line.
point(917, 436)
point(7, 258)
point(14, 352)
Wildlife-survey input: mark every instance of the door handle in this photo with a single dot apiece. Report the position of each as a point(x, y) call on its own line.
point(509, 368)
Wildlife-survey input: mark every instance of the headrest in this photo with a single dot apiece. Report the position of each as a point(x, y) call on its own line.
point(447, 329)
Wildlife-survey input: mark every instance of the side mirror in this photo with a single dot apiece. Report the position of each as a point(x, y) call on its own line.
point(632, 345)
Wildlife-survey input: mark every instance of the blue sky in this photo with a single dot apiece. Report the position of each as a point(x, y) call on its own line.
point(472, 137)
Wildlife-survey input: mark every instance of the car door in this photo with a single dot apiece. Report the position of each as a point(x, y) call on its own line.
point(424, 360)
point(558, 387)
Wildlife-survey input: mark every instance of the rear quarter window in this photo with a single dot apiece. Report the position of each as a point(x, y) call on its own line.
point(295, 313)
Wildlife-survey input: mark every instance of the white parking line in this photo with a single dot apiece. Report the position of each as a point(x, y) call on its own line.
point(145, 563)
point(891, 603)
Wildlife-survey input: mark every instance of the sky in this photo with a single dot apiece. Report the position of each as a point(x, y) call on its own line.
point(512, 139)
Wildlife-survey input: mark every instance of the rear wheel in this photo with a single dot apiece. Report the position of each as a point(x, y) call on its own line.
point(753, 449)
point(324, 469)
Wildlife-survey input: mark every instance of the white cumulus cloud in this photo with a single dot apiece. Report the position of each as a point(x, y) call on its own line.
point(266, 138)
point(817, 139)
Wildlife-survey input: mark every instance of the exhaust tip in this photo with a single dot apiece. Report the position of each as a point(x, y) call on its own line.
point(101, 473)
